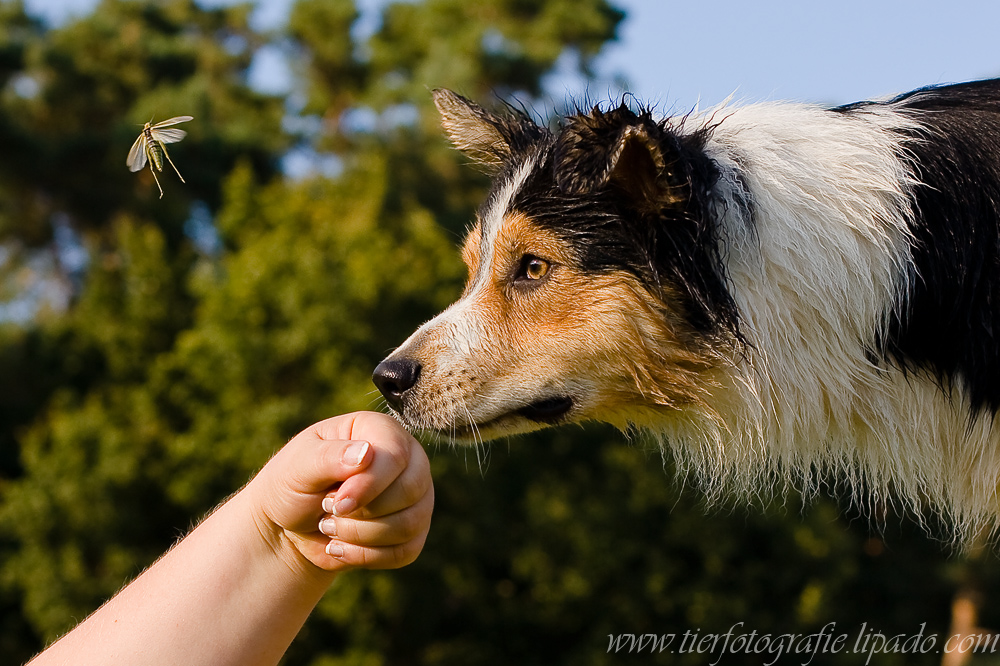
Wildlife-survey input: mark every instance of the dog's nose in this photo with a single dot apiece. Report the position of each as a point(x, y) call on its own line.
point(394, 378)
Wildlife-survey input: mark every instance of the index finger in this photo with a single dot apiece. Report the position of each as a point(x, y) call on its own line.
point(370, 426)
point(393, 451)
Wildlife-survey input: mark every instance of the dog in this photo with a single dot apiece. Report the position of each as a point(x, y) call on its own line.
point(778, 292)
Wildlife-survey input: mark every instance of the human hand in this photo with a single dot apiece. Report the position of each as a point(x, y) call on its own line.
point(364, 477)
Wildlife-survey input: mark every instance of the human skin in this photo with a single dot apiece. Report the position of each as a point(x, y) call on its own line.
point(238, 588)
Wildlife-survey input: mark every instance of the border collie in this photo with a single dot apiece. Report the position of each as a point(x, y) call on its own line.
point(779, 292)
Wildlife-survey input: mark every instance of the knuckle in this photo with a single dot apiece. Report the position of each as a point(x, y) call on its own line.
point(411, 524)
point(365, 559)
point(328, 459)
point(413, 487)
point(404, 553)
point(398, 456)
point(347, 530)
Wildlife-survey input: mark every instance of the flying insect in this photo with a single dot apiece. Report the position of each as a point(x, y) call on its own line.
point(152, 145)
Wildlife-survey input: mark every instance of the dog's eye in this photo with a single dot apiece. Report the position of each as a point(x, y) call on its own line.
point(532, 269)
point(536, 268)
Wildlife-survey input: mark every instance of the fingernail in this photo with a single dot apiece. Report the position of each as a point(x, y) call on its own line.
point(355, 453)
point(328, 505)
point(328, 526)
point(334, 549)
point(344, 506)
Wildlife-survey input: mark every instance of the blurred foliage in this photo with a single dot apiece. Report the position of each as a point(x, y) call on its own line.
point(199, 332)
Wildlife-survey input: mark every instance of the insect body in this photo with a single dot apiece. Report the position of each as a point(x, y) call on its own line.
point(152, 145)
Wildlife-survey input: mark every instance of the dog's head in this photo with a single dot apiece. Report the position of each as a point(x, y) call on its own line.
point(595, 290)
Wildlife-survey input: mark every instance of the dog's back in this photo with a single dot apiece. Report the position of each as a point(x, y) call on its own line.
point(951, 321)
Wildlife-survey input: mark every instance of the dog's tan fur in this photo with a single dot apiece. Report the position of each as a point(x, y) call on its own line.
point(572, 328)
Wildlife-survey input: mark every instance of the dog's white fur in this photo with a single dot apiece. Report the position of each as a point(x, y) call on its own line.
point(813, 278)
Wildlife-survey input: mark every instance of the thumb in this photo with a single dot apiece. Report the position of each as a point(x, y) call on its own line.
point(309, 464)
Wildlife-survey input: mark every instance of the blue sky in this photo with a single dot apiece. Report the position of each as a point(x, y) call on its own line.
point(829, 52)
point(677, 53)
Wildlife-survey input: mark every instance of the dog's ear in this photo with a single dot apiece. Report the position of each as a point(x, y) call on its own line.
point(475, 131)
point(618, 148)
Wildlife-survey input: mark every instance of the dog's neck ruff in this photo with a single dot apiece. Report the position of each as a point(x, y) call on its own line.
point(818, 217)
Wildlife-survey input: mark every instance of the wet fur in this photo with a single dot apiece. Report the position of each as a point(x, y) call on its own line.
point(778, 292)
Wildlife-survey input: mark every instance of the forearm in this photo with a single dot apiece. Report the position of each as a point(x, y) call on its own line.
point(239, 587)
point(230, 593)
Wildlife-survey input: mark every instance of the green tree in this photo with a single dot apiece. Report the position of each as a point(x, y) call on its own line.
point(174, 371)
point(75, 223)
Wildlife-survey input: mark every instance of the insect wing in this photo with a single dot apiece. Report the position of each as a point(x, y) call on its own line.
point(176, 120)
point(168, 135)
point(137, 155)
